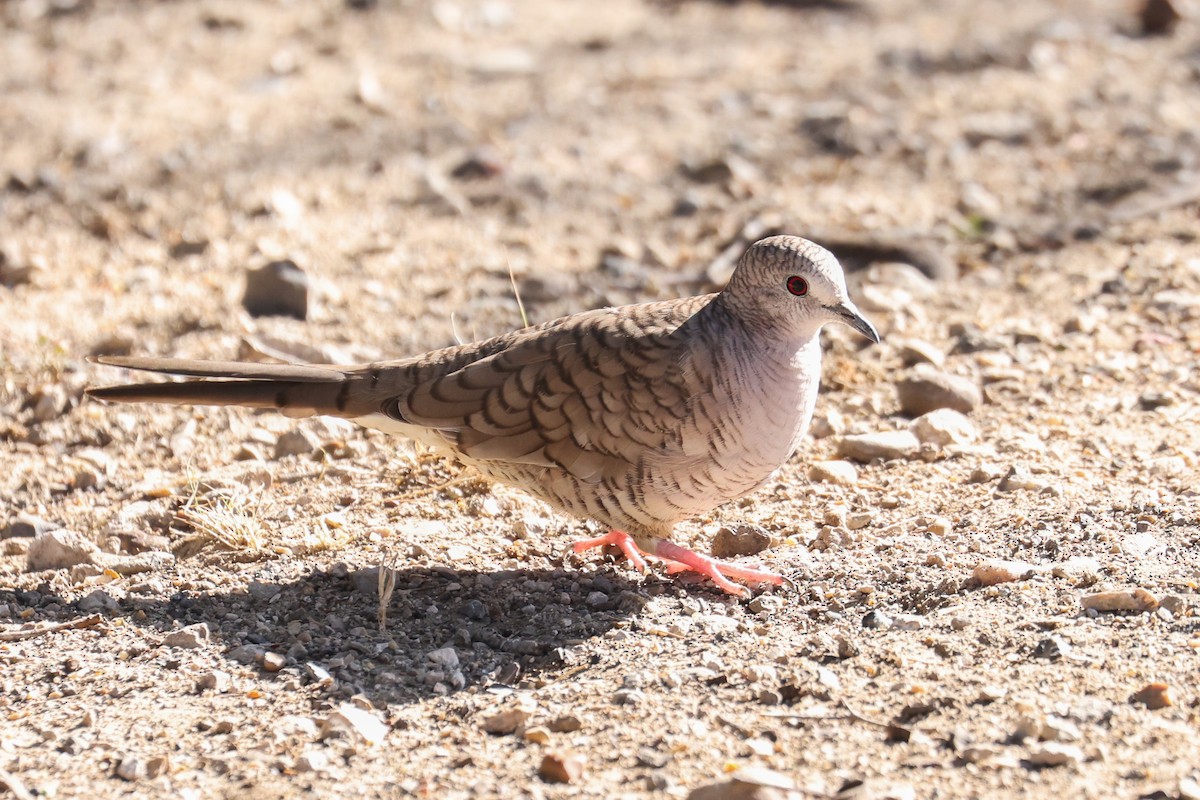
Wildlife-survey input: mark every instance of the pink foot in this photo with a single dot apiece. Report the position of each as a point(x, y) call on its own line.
point(620, 539)
point(679, 559)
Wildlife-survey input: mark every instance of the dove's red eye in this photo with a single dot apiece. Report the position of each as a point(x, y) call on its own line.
point(797, 286)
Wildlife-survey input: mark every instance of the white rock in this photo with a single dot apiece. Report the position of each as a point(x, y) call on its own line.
point(349, 718)
point(98, 600)
point(995, 570)
point(445, 658)
point(60, 549)
point(131, 769)
point(191, 637)
point(509, 717)
point(1138, 600)
point(944, 427)
point(842, 473)
point(312, 761)
point(1055, 754)
point(866, 447)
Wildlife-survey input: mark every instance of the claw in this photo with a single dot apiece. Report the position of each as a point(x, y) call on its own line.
point(679, 559)
point(622, 540)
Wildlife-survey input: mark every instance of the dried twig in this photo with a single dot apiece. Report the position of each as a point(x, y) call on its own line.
point(33, 633)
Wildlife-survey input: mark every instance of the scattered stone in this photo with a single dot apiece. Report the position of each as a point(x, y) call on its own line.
point(50, 402)
point(215, 680)
point(537, 734)
point(159, 765)
point(189, 638)
point(1052, 648)
point(828, 423)
point(131, 768)
point(740, 540)
point(351, 720)
point(1158, 17)
point(1176, 604)
point(562, 766)
point(859, 520)
point(926, 390)
point(1028, 728)
point(1058, 729)
point(262, 592)
point(887, 445)
point(842, 473)
point(278, 289)
point(1018, 478)
point(247, 653)
point(319, 674)
point(274, 662)
point(939, 526)
point(445, 658)
point(748, 783)
point(25, 525)
point(299, 441)
point(877, 620)
point(1056, 754)
point(943, 427)
point(1137, 600)
point(908, 622)
point(567, 723)
point(511, 718)
point(98, 600)
point(59, 549)
point(150, 561)
point(1153, 696)
point(312, 761)
point(917, 351)
point(995, 570)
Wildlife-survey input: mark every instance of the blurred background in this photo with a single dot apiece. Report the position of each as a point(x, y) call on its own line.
point(408, 156)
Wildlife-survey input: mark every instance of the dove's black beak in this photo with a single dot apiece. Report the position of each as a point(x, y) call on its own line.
point(849, 314)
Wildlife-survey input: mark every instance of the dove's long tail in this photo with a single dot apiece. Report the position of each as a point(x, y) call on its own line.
point(296, 390)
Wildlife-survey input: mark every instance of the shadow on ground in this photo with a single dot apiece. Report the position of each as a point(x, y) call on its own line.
point(505, 627)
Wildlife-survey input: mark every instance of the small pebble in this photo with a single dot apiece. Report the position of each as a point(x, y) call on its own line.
point(1018, 478)
point(567, 723)
point(740, 540)
point(841, 473)
point(995, 570)
point(215, 680)
point(1138, 600)
point(1153, 696)
point(926, 390)
point(1055, 754)
point(274, 662)
point(510, 718)
point(349, 718)
point(886, 445)
point(131, 769)
point(537, 734)
point(943, 427)
point(189, 638)
point(312, 761)
point(278, 289)
point(877, 620)
point(563, 766)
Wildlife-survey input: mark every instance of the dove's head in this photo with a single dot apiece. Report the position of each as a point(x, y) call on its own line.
point(789, 285)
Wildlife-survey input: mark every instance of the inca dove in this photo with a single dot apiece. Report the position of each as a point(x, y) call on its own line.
point(638, 417)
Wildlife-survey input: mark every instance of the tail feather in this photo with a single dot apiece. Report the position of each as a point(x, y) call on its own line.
point(296, 390)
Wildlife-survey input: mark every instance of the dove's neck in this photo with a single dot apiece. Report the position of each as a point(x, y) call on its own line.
point(763, 332)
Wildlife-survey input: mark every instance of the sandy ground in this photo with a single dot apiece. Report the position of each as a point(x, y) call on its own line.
point(205, 622)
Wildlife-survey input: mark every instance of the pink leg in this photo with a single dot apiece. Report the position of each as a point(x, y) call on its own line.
point(620, 539)
point(680, 558)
